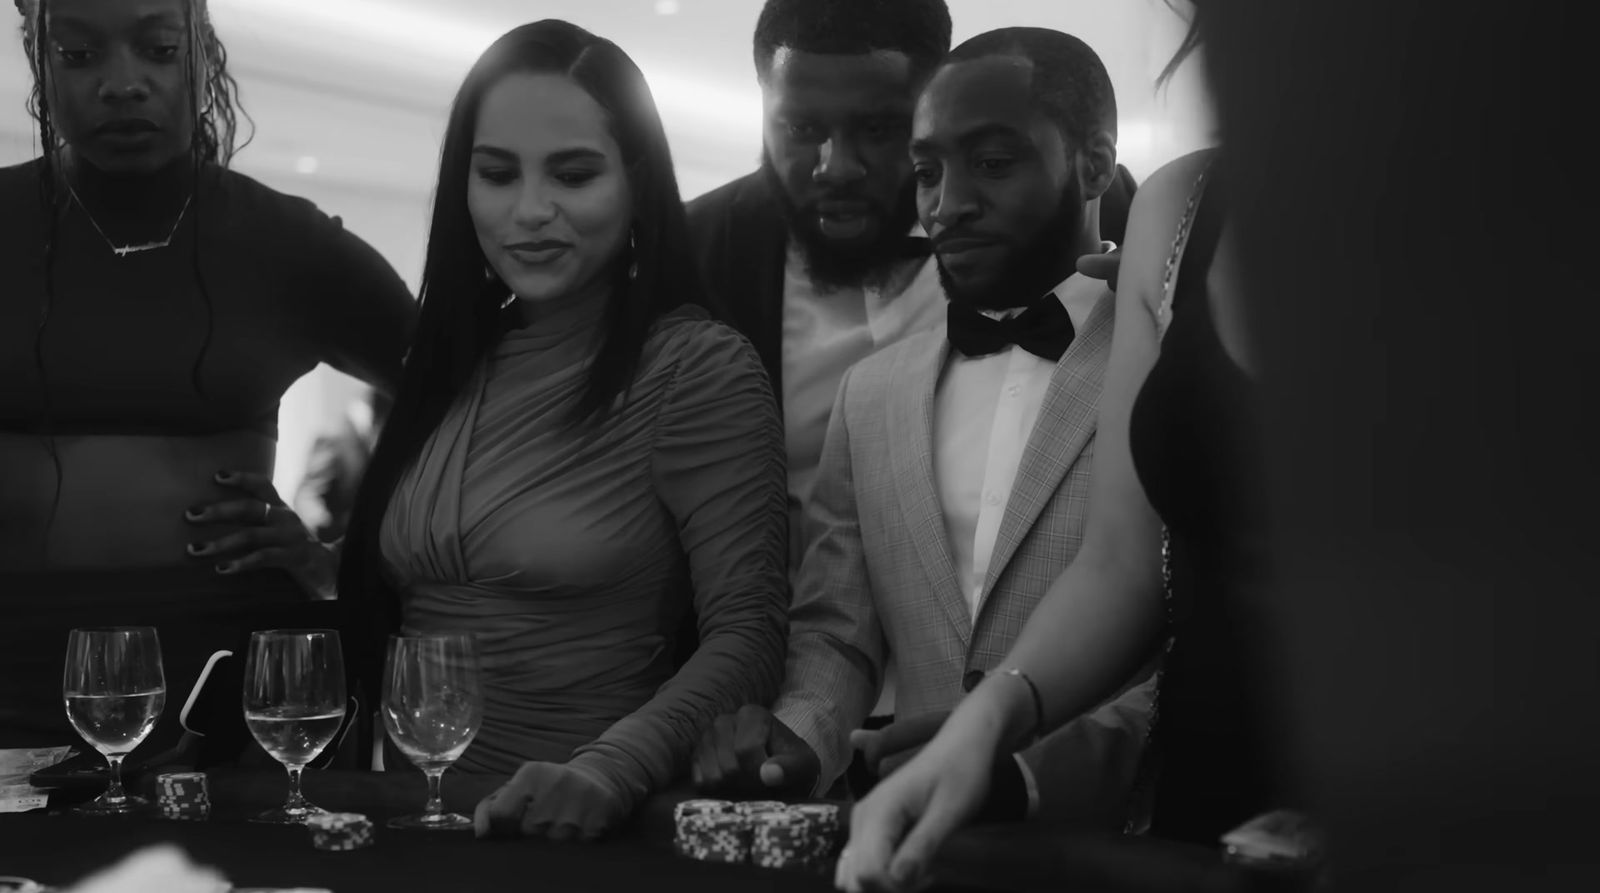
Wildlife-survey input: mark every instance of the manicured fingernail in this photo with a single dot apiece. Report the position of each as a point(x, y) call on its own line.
point(224, 477)
point(226, 567)
point(198, 548)
point(194, 514)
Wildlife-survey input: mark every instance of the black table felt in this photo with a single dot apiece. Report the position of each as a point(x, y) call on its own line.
point(59, 848)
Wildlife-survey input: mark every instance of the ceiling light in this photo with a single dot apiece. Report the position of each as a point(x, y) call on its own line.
point(412, 32)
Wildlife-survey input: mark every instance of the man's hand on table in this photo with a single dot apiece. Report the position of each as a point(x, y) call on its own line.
point(554, 800)
point(885, 750)
point(753, 753)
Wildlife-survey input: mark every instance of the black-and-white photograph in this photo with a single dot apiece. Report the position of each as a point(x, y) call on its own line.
point(879, 446)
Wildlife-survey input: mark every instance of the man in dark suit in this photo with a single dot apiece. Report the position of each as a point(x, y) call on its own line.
point(817, 257)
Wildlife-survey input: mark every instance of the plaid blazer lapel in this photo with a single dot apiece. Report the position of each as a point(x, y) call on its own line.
point(1065, 426)
point(910, 427)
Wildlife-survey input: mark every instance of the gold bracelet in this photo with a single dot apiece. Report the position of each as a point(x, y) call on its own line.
point(1038, 703)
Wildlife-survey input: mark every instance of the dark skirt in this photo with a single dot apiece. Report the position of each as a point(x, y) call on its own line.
point(195, 612)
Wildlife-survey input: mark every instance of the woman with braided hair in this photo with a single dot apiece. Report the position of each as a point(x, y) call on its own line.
point(154, 307)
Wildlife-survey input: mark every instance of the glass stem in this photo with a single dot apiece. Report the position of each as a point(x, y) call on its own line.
point(296, 800)
point(114, 792)
point(435, 807)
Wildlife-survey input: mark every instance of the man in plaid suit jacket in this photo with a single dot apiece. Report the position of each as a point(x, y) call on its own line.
point(954, 480)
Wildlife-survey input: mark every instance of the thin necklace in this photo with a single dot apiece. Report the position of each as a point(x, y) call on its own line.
point(125, 250)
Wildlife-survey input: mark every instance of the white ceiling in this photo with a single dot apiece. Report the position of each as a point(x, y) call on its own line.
point(349, 98)
point(356, 91)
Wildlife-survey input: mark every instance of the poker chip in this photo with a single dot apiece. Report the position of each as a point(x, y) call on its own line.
point(700, 807)
point(183, 796)
point(752, 807)
point(340, 831)
point(823, 815)
point(714, 837)
point(795, 838)
point(764, 833)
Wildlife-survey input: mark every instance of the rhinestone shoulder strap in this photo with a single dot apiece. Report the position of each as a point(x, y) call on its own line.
point(1138, 814)
point(1169, 279)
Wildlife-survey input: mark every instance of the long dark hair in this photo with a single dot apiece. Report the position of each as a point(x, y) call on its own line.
point(214, 109)
point(1191, 41)
point(461, 316)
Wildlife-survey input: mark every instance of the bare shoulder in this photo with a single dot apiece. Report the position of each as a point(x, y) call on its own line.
point(1153, 221)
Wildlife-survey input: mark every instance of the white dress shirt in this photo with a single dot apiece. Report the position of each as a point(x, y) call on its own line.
point(984, 412)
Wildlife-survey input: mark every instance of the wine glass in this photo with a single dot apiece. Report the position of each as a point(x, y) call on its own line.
point(294, 703)
point(432, 707)
point(115, 691)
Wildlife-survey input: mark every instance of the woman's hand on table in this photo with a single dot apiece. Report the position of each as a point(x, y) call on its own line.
point(554, 800)
point(897, 828)
point(273, 536)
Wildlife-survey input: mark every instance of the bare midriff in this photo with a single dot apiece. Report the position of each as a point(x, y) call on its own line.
point(122, 497)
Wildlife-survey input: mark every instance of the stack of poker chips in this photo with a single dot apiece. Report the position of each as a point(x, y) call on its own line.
point(340, 831)
point(804, 837)
point(183, 796)
point(711, 831)
point(767, 834)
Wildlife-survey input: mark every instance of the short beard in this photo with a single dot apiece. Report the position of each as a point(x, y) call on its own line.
point(1031, 272)
point(833, 266)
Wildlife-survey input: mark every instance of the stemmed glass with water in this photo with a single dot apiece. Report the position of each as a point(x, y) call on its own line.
point(294, 704)
point(115, 691)
point(432, 707)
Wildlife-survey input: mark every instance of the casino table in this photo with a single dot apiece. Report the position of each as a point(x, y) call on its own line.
point(58, 848)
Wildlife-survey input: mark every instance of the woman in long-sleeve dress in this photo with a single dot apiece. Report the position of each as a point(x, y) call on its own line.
point(578, 458)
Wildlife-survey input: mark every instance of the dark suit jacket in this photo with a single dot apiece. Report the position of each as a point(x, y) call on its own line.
point(740, 241)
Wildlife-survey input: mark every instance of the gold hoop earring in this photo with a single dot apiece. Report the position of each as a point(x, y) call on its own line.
point(633, 257)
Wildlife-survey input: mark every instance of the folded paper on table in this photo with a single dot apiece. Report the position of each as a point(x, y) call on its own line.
point(16, 794)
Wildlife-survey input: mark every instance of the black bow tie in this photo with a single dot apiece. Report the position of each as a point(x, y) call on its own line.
point(1044, 329)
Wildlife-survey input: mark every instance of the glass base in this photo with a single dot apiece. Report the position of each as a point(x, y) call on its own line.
point(127, 804)
point(285, 815)
point(448, 821)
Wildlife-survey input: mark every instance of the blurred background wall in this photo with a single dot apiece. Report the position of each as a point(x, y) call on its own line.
point(349, 99)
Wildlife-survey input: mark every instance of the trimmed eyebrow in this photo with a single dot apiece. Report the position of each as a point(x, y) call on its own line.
point(581, 154)
point(564, 155)
point(496, 153)
point(926, 146)
point(159, 20)
point(146, 21)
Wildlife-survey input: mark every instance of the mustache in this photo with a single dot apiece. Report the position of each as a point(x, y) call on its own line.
point(843, 195)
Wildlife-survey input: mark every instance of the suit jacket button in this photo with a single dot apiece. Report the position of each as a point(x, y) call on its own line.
point(971, 679)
